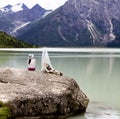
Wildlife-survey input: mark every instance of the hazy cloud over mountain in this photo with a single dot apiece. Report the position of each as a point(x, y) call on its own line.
point(47, 4)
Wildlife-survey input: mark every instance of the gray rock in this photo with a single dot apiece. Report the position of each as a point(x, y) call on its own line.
point(38, 95)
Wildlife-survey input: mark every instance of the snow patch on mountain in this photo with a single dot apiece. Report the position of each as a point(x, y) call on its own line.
point(17, 7)
point(96, 2)
point(18, 26)
point(61, 35)
point(46, 13)
point(12, 8)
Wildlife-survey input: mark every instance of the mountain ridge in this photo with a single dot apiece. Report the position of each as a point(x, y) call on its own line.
point(19, 15)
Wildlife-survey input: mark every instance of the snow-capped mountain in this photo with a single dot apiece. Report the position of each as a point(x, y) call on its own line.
point(19, 7)
point(13, 8)
point(78, 23)
point(14, 17)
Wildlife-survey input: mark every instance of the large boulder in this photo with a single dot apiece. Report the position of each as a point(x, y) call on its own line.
point(38, 95)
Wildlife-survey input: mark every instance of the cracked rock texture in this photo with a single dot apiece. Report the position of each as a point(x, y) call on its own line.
point(38, 95)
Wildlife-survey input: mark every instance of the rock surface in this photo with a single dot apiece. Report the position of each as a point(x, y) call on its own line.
point(40, 95)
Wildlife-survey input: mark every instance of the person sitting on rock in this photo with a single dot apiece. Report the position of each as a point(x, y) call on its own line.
point(31, 62)
point(46, 64)
point(51, 70)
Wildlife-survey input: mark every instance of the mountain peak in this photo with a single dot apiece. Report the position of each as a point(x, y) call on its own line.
point(19, 7)
point(6, 8)
point(24, 7)
point(14, 8)
point(37, 6)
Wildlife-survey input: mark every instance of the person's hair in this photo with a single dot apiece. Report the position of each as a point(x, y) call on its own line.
point(48, 67)
point(29, 61)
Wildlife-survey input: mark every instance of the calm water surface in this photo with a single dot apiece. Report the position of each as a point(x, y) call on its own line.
point(98, 75)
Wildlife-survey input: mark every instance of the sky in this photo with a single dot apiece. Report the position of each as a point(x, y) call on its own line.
point(47, 4)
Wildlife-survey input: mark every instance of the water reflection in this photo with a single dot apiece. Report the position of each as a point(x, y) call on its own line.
point(102, 111)
point(108, 66)
point(99, 111)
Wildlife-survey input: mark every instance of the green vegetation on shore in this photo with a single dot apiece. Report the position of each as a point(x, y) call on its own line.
point(7, 41)
point(4, 111)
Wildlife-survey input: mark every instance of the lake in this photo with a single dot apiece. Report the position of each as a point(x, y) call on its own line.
point(97, 72)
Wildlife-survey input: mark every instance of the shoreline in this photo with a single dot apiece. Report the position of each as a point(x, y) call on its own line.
point(50, 49)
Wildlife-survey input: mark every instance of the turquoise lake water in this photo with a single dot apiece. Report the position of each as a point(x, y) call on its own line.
point(97, 73)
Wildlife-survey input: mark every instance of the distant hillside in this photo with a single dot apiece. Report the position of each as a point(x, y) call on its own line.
point(7, 41)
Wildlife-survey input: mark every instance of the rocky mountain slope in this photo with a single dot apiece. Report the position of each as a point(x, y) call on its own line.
point(14, 17)
point(78, 23)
